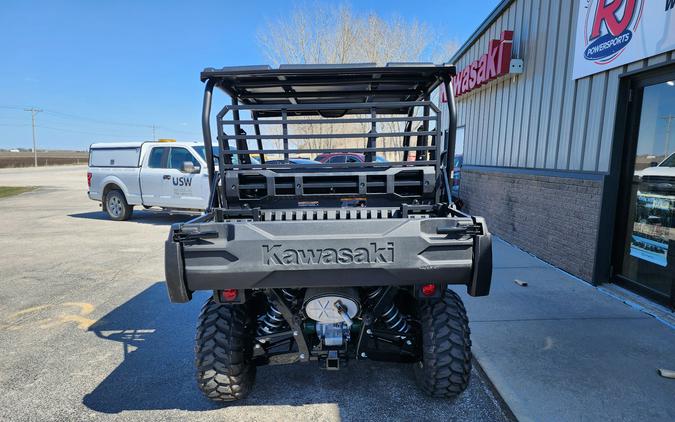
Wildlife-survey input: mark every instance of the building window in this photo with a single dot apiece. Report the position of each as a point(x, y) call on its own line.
point(459, 160)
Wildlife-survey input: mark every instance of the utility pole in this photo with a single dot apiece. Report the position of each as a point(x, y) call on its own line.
point(33, 112)
point(153, 133)
point(669, 119)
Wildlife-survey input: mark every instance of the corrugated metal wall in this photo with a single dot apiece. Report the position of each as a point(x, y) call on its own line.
point(541, 118)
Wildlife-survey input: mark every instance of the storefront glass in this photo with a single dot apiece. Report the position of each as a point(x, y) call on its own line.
point(459, 161)
point(649, 253)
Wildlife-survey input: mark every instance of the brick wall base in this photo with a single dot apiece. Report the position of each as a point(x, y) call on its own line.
point(554, 218)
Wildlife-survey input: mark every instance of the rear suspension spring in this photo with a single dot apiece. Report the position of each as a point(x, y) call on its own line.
point(392, 317)
point(394, 320)
point(273, 321)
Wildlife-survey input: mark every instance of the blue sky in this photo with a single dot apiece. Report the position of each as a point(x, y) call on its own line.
point(108, 70)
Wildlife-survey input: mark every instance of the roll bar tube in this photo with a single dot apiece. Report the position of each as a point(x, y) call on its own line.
point(206, 130)
point(452, 129)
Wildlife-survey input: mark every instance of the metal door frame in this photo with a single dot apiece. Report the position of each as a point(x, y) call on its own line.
point(623, 161)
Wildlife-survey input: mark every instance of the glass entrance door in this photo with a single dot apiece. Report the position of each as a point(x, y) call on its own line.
point(648, 260)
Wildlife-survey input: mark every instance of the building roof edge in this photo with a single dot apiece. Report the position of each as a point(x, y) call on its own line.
point(492, 17)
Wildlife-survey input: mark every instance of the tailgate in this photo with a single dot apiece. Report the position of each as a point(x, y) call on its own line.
point(272, 254)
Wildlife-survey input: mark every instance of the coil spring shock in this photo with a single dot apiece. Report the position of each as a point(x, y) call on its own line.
point(289, 294)
point(273, 321)
point(392, 317)
point(395, 320)
point(374, 293)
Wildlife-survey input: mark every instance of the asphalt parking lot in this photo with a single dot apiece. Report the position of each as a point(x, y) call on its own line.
point(87, 330)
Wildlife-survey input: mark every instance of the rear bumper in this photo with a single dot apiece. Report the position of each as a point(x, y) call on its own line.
point(275, 254)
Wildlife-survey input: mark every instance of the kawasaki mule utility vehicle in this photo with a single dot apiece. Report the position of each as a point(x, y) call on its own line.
point(338, 260)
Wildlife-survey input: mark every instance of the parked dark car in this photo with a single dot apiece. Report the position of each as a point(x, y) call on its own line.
point(341, 157)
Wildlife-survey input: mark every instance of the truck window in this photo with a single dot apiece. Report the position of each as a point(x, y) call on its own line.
point(668, 162)
point(216, 153)
point(157, 158)
point(178, 156)
point(114, 157)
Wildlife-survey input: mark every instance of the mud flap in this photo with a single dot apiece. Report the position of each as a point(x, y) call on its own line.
point(174, 271)
point(482, 264)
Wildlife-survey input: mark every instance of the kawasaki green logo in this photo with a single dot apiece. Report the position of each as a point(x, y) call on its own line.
point(371, 254)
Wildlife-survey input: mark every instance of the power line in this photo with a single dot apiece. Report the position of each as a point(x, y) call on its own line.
point(60, 114)
point(154, 127)
point(105, 122)
point(81, 131)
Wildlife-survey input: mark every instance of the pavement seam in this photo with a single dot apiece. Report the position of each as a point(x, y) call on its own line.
point(637, 306)
point(496, 396)
point(564, 319)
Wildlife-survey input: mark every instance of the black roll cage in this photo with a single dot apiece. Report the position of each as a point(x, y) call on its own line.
point(319, 94)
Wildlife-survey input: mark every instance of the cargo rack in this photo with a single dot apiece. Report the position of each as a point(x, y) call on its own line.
point(358, 99)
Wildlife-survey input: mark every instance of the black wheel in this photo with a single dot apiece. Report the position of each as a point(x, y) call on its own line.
point(446, 347)
point(117, 207)
point(223, 352)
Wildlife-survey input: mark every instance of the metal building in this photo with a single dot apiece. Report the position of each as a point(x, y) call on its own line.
point(568, 140)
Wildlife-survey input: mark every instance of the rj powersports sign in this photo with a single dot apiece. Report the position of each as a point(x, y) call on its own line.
point(611, 33)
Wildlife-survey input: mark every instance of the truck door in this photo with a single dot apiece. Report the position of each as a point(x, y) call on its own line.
point(165, 184)
point(153, 182)
point(184, 189)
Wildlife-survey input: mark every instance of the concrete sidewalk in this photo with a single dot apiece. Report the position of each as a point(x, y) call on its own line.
point(562, 350)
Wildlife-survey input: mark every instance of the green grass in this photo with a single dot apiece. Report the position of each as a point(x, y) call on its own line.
point(6, 191)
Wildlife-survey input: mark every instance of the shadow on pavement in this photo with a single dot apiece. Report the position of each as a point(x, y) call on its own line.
point(139, 216)
point(156, 341)
point(157, 372)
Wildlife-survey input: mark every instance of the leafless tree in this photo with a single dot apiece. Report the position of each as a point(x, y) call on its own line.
point(321, 33)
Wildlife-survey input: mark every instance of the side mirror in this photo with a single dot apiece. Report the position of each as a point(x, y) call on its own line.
point(653, 164)
point(189, 167)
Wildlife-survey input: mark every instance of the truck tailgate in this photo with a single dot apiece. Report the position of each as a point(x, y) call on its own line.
point(268, 254)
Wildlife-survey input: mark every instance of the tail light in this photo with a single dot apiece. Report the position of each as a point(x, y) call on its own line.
point(428, 290)
point(229, 295)
point(89, 179)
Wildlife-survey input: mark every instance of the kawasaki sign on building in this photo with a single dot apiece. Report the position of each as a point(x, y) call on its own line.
point(493, 64)
point(613, 33)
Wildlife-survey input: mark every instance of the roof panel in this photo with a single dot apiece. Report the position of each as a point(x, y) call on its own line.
point(324, 66)
point(332, 84)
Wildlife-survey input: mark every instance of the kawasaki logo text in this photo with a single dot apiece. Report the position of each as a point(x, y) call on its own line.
point(371, 254)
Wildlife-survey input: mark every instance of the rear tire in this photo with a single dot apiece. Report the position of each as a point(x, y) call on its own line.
point(223, 352)
point(446, 347)
point(117, 207)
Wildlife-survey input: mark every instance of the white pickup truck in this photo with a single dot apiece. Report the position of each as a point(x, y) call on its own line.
point(167, 174)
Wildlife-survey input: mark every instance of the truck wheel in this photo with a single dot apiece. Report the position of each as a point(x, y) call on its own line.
point(446, 347)
point(224, 350)
point(117, 207)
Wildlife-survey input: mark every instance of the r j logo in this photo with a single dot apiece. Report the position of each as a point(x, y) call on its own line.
point(609, 28)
